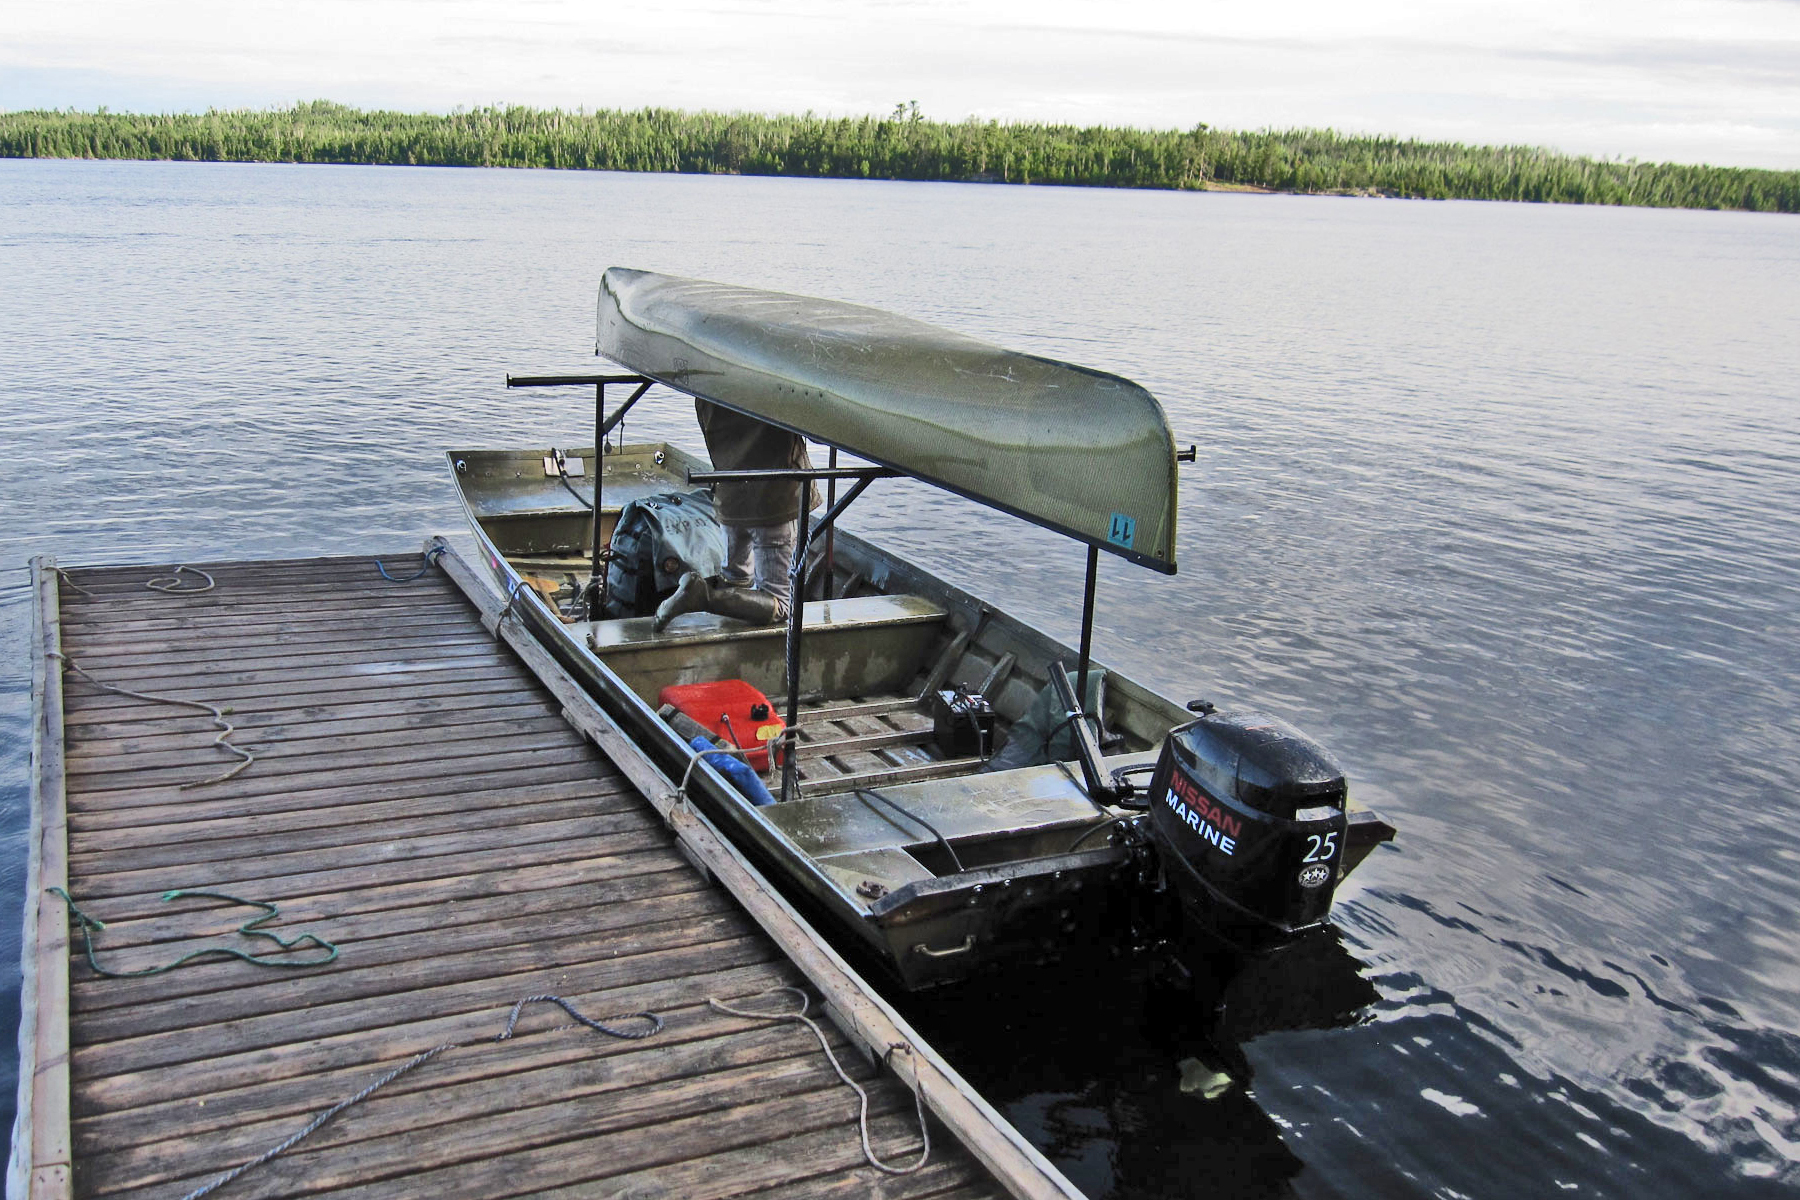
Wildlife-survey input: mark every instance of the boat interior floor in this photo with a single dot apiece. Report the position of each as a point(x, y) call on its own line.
point(892, 838)
point(865, 726)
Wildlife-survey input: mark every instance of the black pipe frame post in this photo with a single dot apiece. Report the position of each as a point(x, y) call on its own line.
point(790, 768)
point(831, 531)
point(790, 474)
point(1087, 624)
point(594, 583)
point(603, 425)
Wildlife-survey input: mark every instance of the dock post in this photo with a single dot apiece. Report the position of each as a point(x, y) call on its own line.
point(40, 1162)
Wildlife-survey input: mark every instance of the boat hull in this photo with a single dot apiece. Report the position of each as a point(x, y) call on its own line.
point(1056, 880)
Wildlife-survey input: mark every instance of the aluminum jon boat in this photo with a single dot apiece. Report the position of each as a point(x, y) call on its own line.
point(947, 786)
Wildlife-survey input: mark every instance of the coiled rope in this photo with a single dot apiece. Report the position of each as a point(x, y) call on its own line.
point(431, 556)
point(172, 581)
point(226, 728)
point(862, 1118)
point(251, 928)
point(419, 1060)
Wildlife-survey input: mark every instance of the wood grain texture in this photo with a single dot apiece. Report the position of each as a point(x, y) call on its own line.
point(849, 1001)
point(40, 1165)
point(460, 830)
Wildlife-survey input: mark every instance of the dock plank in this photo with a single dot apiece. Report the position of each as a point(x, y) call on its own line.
point(229, 819)
point(420, 799)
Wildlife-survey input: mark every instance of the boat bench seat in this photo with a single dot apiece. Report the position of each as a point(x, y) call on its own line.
point(892, 869)
point(967, 806)
point(860, 646)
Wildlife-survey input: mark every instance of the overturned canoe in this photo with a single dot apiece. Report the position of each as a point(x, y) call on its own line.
point(1078, 451)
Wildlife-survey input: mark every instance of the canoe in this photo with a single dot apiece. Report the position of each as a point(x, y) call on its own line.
point(951, 800)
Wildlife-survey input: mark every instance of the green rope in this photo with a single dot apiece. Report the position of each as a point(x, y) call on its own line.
point(91, 926)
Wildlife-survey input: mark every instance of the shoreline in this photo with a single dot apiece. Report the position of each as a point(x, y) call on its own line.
point(902, 147)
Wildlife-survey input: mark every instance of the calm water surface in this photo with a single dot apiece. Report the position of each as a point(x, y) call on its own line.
point(1500, 502)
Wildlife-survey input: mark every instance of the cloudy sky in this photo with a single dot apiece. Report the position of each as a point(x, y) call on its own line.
point(1681, 80)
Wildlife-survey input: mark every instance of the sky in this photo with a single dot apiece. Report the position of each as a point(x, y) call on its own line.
point(1714, 81)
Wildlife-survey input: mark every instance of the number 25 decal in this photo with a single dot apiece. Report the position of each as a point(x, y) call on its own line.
point(1320, 847)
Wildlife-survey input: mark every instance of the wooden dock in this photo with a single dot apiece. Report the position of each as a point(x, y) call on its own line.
point(433, 796)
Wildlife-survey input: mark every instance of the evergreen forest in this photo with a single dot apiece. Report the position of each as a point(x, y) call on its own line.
point(903, 145)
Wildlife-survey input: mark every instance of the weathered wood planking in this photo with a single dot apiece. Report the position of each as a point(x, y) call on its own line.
point(850, 1002)
point(418, 798)
point(40, 1161)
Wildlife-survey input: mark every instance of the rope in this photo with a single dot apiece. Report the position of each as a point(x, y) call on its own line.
point(92, 925)
point(512, 598)
point(226, 728)
point(431, 556)
point(419, 1060)
point(694, 761)
point(70, 583)
point(172, 581)
point(862, 1117)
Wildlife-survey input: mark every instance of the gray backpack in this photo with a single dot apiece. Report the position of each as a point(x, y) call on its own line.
point(656, 541)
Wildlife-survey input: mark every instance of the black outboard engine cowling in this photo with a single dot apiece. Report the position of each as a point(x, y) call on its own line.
point(1247, 814)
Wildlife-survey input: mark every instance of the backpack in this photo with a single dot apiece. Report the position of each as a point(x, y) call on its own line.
point(656, 541)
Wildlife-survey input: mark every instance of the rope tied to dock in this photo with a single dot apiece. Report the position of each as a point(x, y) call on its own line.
point(431, 556)
point(251, 928)
point(226, 728)
point(172, 584)
point(70, 583)
point(512, 599)
point(425, 1056)
point(799, 1016)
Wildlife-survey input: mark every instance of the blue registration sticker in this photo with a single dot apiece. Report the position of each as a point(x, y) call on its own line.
point(1122, 531)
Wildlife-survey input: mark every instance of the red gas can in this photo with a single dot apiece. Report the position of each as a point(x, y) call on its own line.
point(733, 710)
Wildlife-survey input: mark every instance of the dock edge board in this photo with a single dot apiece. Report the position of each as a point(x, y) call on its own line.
point(865, 1018)
point(39, 1167)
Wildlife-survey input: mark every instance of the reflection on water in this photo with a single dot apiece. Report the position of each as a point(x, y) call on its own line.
point(1500, 502)
point(1133, 1077)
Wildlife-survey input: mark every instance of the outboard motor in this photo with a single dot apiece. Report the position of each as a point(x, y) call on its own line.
point(1247, 815)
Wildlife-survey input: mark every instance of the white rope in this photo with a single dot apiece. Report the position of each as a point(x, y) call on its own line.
point(862, 1117)
point(226, 728)
point(172, 581)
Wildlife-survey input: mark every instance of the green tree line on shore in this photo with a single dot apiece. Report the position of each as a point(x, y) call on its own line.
point(901, 146)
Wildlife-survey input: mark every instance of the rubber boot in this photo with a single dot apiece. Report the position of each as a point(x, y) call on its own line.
point(746, 604)
point(692, 594)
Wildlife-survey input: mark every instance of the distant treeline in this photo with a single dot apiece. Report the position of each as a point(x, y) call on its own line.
point(901, 146)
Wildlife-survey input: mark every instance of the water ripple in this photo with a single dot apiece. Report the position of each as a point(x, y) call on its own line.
point(1501, 502)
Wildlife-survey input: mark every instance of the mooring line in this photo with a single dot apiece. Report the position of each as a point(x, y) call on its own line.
point(431, 556)
point(512, 599)
point(226, 728)
point(92, 925)
point(425, 1056)
point(70, 583)
point(862, 1118)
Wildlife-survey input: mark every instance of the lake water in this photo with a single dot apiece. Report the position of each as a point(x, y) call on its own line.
point(1502, 503)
